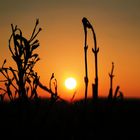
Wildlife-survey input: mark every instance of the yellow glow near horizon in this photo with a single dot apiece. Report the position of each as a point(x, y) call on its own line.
point(70, 83)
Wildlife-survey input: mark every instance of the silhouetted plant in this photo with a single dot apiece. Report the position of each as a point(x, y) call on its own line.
point(24, 77)
point(85, 24)
point(73, 96)
point(111, 82)
point(34, 87)
point(50, 91)
point(117, 93)
point(53, 96)
point(8, 82)
point(50, 82)
point(95, 50)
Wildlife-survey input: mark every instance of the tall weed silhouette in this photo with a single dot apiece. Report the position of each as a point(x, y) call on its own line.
point(95, 50)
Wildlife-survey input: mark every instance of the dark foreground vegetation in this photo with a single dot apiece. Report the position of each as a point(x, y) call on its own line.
point(60, 120)
point(27, 116)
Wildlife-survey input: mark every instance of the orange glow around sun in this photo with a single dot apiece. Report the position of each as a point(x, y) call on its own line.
point(70, 83)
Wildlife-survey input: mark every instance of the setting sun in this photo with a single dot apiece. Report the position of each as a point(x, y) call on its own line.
point(70, 83)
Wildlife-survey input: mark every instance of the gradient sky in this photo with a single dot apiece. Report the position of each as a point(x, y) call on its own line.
point(116, 23)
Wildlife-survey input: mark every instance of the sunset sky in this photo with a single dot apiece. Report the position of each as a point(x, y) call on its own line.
point(117, 27)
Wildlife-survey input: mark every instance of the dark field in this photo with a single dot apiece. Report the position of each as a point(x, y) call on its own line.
point(95, 120)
